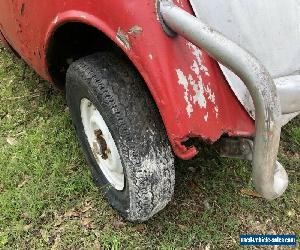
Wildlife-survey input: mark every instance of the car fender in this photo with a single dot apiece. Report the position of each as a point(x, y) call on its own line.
point(189, 89)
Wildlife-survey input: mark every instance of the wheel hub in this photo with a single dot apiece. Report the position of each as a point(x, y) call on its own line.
point(102, 144)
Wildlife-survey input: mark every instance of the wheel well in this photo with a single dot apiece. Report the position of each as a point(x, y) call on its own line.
point(72, 41)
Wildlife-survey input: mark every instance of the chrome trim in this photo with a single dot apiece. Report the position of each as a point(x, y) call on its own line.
point(269, 177)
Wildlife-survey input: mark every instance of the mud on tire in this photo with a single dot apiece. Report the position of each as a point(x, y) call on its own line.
point(120, 95)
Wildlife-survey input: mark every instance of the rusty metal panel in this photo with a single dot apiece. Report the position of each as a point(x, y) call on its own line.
point(189, 88)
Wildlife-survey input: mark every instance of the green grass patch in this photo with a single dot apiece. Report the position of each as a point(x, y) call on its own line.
point(48, 199)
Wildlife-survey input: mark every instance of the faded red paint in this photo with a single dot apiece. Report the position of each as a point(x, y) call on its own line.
point(29, 24)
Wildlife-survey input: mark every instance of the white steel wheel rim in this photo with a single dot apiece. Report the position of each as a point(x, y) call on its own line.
point(102, 144)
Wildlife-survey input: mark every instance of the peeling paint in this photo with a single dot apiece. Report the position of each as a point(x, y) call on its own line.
point(182, 80)
point(216, 111)
point(55, 21)
point(204, 69)
point(206, 117)
point(123, 38)
point(199, 90)
point(135, 30)
point(198, 54)
point(196, 92)
point(211, 95)
point(195, 68)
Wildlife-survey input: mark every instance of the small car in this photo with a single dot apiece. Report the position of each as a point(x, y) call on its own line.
point(145, 80)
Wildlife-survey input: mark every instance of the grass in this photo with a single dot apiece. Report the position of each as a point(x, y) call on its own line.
point(48, 200)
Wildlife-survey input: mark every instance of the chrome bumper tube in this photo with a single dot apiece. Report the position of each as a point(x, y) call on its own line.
point(269, 177)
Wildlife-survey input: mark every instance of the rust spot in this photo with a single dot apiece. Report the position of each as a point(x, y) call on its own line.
point(98, 133)
point(22, 9)
point(103, 145)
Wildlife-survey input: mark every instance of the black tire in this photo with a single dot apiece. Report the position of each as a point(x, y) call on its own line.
point(119, 94)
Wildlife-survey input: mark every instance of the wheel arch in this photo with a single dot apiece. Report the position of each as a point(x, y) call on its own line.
point(68, 26)
point(94, 27)
point(158, 62)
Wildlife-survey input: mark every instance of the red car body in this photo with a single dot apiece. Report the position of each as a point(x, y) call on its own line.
point(206, 110)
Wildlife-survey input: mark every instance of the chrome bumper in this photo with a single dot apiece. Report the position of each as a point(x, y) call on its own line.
point(269, 176)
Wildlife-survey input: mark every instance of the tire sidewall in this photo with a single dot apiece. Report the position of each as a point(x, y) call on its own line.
point(118, 92)
point(78, 90)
